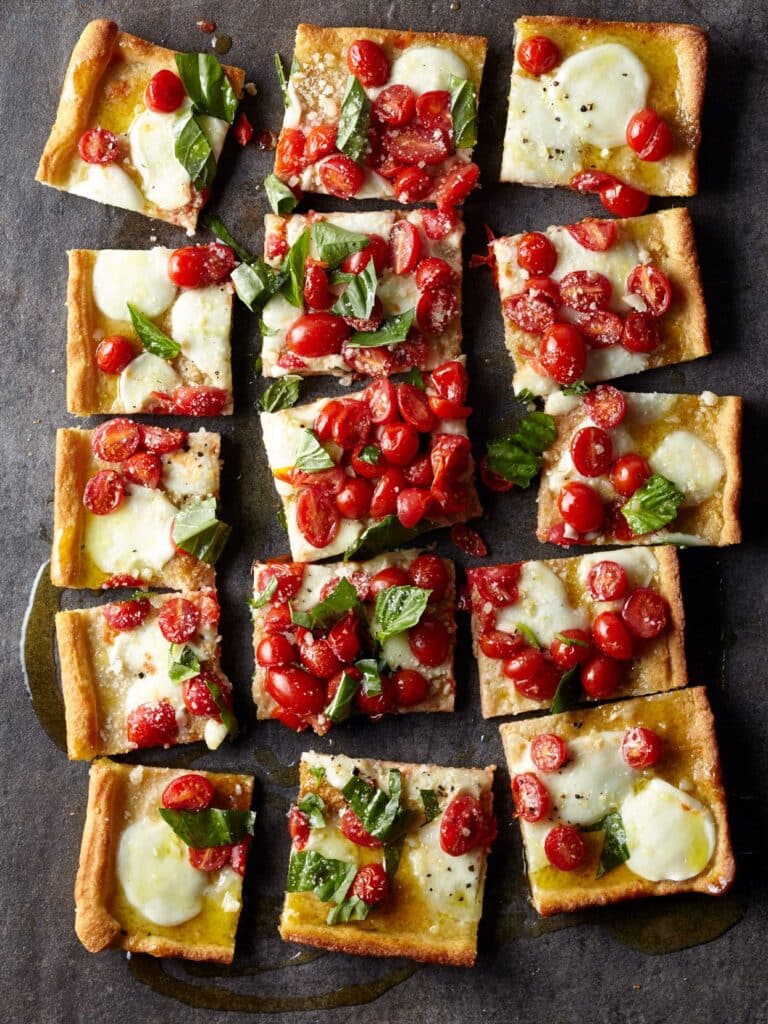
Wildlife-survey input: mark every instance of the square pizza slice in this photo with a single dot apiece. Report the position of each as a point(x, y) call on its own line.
point(388, 859)
point(569, 629)
point(143, 672)
point(370, 471)
point(380, 113)
point(642, 469)
point(140, 127)
point(377, 293)
point(162, 861)
point(149, 331)
point(620, 801)
point(135, 505)
point(606, 106)
point(601, 299)
point(370, 638)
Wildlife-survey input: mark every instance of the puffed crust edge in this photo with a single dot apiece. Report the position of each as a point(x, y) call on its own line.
point(704, 752)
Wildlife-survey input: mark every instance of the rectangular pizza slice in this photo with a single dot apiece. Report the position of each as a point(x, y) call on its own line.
point(388, 859)
point(381, 113)
point(642, 469)
point(560, 631)
point(137, 341)
point(140, 127)
point(620, 801)
point(135, 505)
point(162, 861)
point(370, 638)
point(593, 103)
point(629, 291)
point(370, 471)
point(143, 672)
point(371, 293)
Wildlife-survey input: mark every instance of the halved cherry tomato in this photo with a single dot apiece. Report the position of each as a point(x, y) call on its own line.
point(197, 266)
point(563, 536)
point(298, 827)
point(492, 480)
point(413, 504)
point(354, 499)
point(165, 92)
point(384, 498)
point(199, 400)
point(600, 677)
point(438, 224)
point(353, 829)
point(570, 647)
point(399, 443)
point(289, 576)
point(160, 440)
point(591, 181)
point(179, 620)
point(585, 290)
point(238, 854)
point(497, 584)
point(275, 246)
point(563, 354)
point(209, 858)
point(275, 649)
point(495, 643)
point(313, 335)
point(653, 287)
point(394, 576)
point(537, 55)
point(645, 613)
point(344, 637)
point(641, 748)
point(468, 540)
point(611, 636)
point(114, 353)
point(531, 797)
point(325, 419)
point(434, 109)
point(295, 690)
point(289, 154)
point(341, 176)
point(152, 725)
point(565, 848)
point(370, 470)
point(628, 473)
point(623, 200)
point(465, 826)
point(531, 311)
point(581, 507)
point(544, 288)
point(601, 328)
point(371, 884)
point(395, 106)
point(198, 698)
point(278, 620)
point(418, 145)
point(404, 247)
point(606, 406)
point(317, 290)
point(321, 142)
point(191, 792)
point(127, 615)
point(376, 249)
point(592, 451)
point(641, 333)
point(429, 572)
point(411, 687)
point(593, 234)
point(607, 581)
point(419, 472)
point(649, 135)
point(144, 468)
point(548, 752)
point(374, 705)
point(98, 146)
point(436, 310)
point(382, 400)
point(450, 379)
point(429, 641)
point(104, 492)
point(414, 407)
point(242, 130)
point(317, 516)
point(534, 676)
point(368, 62)
point(616, 525)
point(432, 273)
point(116, 440)
point(536, 254)
point(410, 185)
point(318, 658)
point(456, 186)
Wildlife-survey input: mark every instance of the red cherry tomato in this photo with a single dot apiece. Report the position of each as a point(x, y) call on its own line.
point(593, 234)
point(641, 333)
point(419, 473)
point(381, 704)
point(394, 576)
point(641, 748)
point(436, 310)
point(351, 424)
point(275, 246)
point(127, 615)
point(289, 576)
point(395, 106)
point(321, 142)
point(381, 398)
point(318, 658)
point(653, 287)
point(438, 224)
point(581, 507)
point(198, 698)
point(314, 335)
point(399, 443)
point(354, 499)
point(341, 176)
point(159, 440)
point(295, 690)
point(592, 181)
point(601, 328)
point(355, 831)
point(199, 400)
point(534, 676)
point(410, 185)
point(531, 311)
point(606, 406)
point(344, 638)
point(238, 855)
point(429, 572)
point(465, 826)
point(537, 55)
point(278, 620)
point(165, 92)
point(317, 516)
point(98, 146)
point(563, 354)
point(451, 380)
point(558, 535)
point(434, 109)
point(585, 291)
point(275, 650)
point(197, 266)
point(367, 61)
point(565, 848)
point(417, 145)
point(152, 725)
point(456, 186)
point(649, 135)
point(404, 247)
point(591, 451)
point(104, 492)
point(612, 637)
point(414, 407)
point(497, 584)
point(468, 540)
point(567, 655)
point(536, 254)
point(289, 154)
point(411, 687)
point(492, 480)
point(645, 613)
point(114, 353)
point(616, 525)
point(432, 273)
point(600, 677)
point(116, 440)
point(376, 249)
point(623, 200)
point(413, 504)
point(191, 792)
point(211, 858)
point(298, 827)
point(607, 581)
point(429, 641)
point(317, 291)
point(144, 468)
point(531, 797)
point(371, 884)
point(548, 752)
point(628, 473)
point(495, 643)
point(242, 130)
point(179, 620)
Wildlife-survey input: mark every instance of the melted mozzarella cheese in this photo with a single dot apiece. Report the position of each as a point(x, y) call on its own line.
point(564, 469)
point(397, 293)
point(292, 117)
point(154, 870)
point(368, 222)
point(152, 138)
point(649, 407)
point(136, 276)
point(214, 734)
point(108, 184)
point(200, 321)
point(670, 835)
point(614, 361)
point(330, 842)
point(452, 884)
point(195, 471)
point(543, 605)
point(303, 551)
point(693, 466)
point(215, 130)
point(141, 657)
point(136, 537)
point(278, 314)
point(639, 564)
point(282, 432)
point(397, 653)
point(427, 68)
point(226, 889)
point(143, 375)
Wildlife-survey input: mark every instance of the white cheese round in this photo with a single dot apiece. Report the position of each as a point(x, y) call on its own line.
point(136, 537)
point(645, 408)
point(136, 276)
point(143, 375)
point(108, 184)
point(543, 605)
point(427, 68)
point(157, 879)
point(450, 884)
point(152, 141)
point(639, 564)
point(693, 466)
point(200, 321)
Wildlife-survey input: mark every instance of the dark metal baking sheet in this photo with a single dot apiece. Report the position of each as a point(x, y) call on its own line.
point(594, 967)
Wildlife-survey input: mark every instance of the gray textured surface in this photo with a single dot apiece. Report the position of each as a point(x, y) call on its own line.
point(582, 973)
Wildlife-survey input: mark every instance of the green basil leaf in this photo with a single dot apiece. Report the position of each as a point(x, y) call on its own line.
point(282, 394)
point(525, 630)
point(568, 691)
point(143, 595)
point(354, 118)
point(216, 225)
point(393, 331)
point(193, 150)
point(615, 850)
point(293, 268)
point(151, 337)
point(280, 197)
point(197, 531)
point(311, 457)
point(183, 663)
point(209, 827)
point(225, 713)
point(371, 676)
point(653, 505)
point(358, 297)
point(570, 641)
point(282, 80)
point(382, 814)
point(256, 282)
point(281, 518)
point(416, 378)
point(518, 457)
point(207, 85)
point(266, 332)
point(525, 396)
point(340, 707)
point(329, 879)
point(342, 277)
point(313, 806)
point(370, 454)
point(265, 595)
point(387, 533)
point(343, 598)
point(392, 854)
point(431, 804)
point(463, 112)
point(317, 770)
point(579, 387)
point(350, 910)
point(398, 609)
point(333, 244)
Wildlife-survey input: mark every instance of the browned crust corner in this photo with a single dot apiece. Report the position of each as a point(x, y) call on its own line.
point(681, 263)
point(669, 578)
point(346, 939)
point(729, 437)
point(72, 456)
point(78, 685)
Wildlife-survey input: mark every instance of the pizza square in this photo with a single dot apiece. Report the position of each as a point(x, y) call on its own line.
point(642, 469)
point(162, 861)
point(369, 638)
point(378, 293)
point(370, 471)
point(596, 103)
point(141, 339)
point(140, 127)
point(601, 299)
point(380, 113)
point(565, 630)
point(388, 859)
point(620, 801)
point(143, 672)
point(136, 505)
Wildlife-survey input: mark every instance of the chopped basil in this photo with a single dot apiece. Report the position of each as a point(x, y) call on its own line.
point(256, 282)
point(311, 457)
point(329, 879)
point(341, 277)
point(282, 80)
point(579, 387)
point(354, 909)
point(313, 806)
point(387, 533)
point(393, 331)
point(340, 707)
point(371, 673)
point(518, 457)
point(343, 598)
point(333, 244)
point(282, 394)
point(370, 454)
point(225, 714)
point(392, 853)
point(293, 268)
point(568, 691)
point(382, 814)
point(151, 337)
point(398, 609)
point(209, 827)
point(416, 378)
point(570, 641)
point(281, 198)
point(265, 595)
point(216, 225)
point(317, 771)
point(266, 332)
point(525, 630)
point(197, 531)
point(281, 517)
point(143, 595)
point(653, 505)
point(355, 114)
point(358, 297)
point(525, 396)
point(615, 850)
point(431, 804)
point(207, 85)
point(193, 150)
point(183, 663)
point(463, 112)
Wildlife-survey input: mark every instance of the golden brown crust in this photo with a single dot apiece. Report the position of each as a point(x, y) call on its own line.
point(696, 743)
point(82, 390)
point(669, 576)
point(345, 939)
point(729, 438)
point(78, 686)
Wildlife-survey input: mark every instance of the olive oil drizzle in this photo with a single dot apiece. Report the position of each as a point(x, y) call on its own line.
point(38, 662)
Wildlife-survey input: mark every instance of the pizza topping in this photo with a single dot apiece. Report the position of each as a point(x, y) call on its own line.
point(116, 440)
point(536, 254)
point(537, 55)
point(127, 615)
point(531, 797)
point(565, 848)
point(196, 266)
point(563, 353)
point(645, 613)
point(628, 474)
point(152, 725)
point(653, 287)
point(165, 92)
point(533, 674)
point(641, 333)
point(371, 884)
point(581, 507)
point(570, 647)
point(606, 406)
point(600, 677)
point(641, 748)
point(368, 62)
point(595, 235)
point(98, 146)
point(114, 353)
point(341, 176)
point(179, 620)
point(607, 581)
point(649, 135)
point(143, 468)
point(548, 752)
point(465, 826)
point(190, 792)
point(591, 451)
point(611, 636)
point(104, 492)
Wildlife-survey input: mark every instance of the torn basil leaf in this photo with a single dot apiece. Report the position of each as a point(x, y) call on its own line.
point(225, 713)
point(282, 394)
point(398, 609)
point(207, 85)
point(416, 379)
point(281, 198)
point(282, 80)
point(387, 533)
point(340, 707)
point(463, 112)
point(431, 804)
point(192, 149)
point(653, 505)
point(256, 282)
point(209, 827)
point(317, 771)
point(382, 814)
point(151, 337)
point(293, 268)
point(343, 598)
point(311, 457)
point(197, 531)
point(313, 806)
point(264, 596)
point(354, 117)
point(392, 854)
point(568, 691)
point(333, 244)
point(353, 909)
point(525, 630)
point(329, 879)
point(183, 663)
point(615, 850)
point(358, 297)
point(518, 457)
point(579, 387)
point(393, 331)
point(216, 225)
point(525, 396)
point(371, 682)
